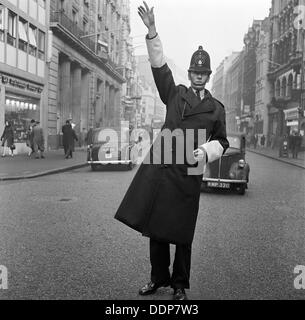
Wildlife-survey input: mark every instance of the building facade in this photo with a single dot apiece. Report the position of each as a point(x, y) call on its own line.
point(249, 63)
point(285, 68)
point(85, 73)
point(233, 94)
point(23, 56)
point(263, 90)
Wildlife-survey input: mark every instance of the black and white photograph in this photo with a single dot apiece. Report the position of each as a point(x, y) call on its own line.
point(152, 152)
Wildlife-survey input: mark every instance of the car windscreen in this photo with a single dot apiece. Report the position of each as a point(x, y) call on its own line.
point(234, 142)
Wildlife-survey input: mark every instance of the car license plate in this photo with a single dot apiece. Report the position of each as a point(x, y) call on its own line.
point(221, 185)
point(108, 155)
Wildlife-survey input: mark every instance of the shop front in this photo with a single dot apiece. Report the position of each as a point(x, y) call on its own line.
point(20, 103)
point(292, 120)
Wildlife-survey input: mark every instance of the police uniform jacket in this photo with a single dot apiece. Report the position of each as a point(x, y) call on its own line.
point(162, 201)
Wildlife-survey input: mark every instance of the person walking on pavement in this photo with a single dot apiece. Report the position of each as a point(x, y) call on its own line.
point(263, 140)
point(162, 201)
point(69, 136)
point(66, 130)
point(296, 141)
point(7, 138)
point(29, 141)
point(38, 140)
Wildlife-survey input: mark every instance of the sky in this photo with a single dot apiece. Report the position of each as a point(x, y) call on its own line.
point(218, 25)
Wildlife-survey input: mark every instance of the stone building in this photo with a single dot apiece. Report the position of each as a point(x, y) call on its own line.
point(23, 55)
point(226, 85)
point(285, 67)
point(263, 90)
point(232, 98)
point(85, 73)
point(249, 63)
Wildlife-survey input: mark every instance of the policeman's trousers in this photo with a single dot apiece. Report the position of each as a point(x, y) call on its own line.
point(160, 263)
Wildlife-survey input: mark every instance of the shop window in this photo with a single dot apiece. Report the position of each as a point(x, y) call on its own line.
point(11, 28)
point(41, 44)
point(23, 37)
point(20, 110)
point(32, 41)
point(2, 24)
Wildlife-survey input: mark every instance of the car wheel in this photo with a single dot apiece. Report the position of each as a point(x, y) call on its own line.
point(241, 190)
point(94, 167)
point(204, 187)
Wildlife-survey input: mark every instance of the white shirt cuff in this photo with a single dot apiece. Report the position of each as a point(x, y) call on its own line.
point(213, 149)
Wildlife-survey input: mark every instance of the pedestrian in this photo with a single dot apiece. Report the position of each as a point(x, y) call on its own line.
point(255, 141)
point(263, 140)
point(66, 129)
point(83, 136)
point(29, 141)
point(38, 140)
point(162, 201)
point(296, 142)
point(89, 138)
point(68, 138)
point(7, 138)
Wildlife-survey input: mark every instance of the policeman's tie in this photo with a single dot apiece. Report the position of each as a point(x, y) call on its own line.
point(198, 94)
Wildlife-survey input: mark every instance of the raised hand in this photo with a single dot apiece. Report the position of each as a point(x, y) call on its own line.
point(147, 15)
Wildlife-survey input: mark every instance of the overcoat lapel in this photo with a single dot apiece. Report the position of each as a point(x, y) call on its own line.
point(203, 106)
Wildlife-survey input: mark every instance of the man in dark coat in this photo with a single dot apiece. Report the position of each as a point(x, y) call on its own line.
point(66, 130)
point(162, 201)
point(69, 136)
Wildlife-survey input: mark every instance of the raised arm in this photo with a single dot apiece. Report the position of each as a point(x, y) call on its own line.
point(162, 74)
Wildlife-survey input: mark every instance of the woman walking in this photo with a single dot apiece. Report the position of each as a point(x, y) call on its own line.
point(7, 138)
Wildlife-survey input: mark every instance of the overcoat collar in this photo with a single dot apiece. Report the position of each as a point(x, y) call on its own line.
point(205, 105)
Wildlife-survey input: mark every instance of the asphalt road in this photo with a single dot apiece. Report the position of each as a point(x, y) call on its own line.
point(58, 238)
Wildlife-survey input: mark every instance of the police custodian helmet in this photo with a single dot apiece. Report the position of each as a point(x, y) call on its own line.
point(200, 62)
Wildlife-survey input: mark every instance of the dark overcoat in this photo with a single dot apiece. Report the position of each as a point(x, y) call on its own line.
point(8, 136)
point(69, 136)
point(162, 201)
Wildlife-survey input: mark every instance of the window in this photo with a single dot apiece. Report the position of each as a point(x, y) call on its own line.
point(41, 45)
point(42, 3)
point(32, 41)
point(11, 28)
point(1, 24)
point(22, 32)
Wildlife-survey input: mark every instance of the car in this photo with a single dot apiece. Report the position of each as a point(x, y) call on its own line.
point(231, 171)
point(110, 149)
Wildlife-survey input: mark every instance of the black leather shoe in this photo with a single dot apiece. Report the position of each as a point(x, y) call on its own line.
point(179, 294)
point(151, 288)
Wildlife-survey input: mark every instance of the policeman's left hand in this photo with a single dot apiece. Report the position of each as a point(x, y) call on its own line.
point(199, 154)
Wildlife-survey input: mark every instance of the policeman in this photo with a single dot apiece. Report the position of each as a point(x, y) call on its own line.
point(162, 201)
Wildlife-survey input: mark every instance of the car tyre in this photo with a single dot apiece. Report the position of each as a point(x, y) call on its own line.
point(242, 190)
point(204, 187)
point(94, 167)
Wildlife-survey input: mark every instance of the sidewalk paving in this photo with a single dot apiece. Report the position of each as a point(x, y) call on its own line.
point(24, 167)
point(274, 154)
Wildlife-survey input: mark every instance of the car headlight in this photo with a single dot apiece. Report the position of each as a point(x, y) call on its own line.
point(241, 163)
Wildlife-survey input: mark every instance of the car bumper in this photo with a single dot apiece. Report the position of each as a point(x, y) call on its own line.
point(224, 181)
point(105, 162)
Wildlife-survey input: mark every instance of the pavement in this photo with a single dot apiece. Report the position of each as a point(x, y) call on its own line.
point(23, 167)
point(274, 154)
